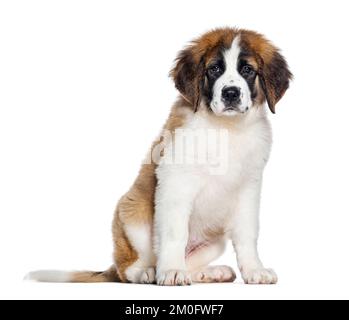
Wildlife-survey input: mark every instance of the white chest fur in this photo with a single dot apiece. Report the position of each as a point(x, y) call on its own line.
point(206, 187)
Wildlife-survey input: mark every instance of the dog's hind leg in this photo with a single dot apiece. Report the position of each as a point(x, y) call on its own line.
point(143, 269)
point(133, 255)
point(132, 228)
point(213, 274)
point(198, 263)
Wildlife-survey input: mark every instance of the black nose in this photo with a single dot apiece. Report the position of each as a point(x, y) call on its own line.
point(230, 95)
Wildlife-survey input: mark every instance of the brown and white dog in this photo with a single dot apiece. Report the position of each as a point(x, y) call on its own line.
point(182, 208)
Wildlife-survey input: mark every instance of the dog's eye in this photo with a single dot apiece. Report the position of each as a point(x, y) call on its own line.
point(214, 70)
point(247, 70)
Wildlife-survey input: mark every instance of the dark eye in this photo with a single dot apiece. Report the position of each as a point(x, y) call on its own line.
point(214, 70)
point(247, 70)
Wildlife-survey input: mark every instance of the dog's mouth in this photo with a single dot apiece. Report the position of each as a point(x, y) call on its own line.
point(231, 109)
point(235, 109)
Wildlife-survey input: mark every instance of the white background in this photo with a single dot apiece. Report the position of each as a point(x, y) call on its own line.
point(84, 89)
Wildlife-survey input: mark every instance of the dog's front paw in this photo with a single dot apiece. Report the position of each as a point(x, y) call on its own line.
point(260, 276)
point(173, 278)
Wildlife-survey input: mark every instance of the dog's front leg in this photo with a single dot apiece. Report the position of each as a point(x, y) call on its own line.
point(245, 235)
point(173, 206)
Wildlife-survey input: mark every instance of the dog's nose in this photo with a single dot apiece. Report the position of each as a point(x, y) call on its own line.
point(230, 95)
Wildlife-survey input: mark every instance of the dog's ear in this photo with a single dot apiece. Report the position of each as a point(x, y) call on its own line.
point(189, 77)
point(274, 78)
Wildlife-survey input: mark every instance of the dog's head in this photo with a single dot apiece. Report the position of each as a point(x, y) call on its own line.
point(231, 71)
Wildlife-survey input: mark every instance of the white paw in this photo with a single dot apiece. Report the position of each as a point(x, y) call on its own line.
point(260, 276)
point(214, 274)
point(173, 278)
point(148, 276)
point(140, 274)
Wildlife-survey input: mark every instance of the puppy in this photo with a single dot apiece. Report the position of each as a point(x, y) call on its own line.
point(188, 199)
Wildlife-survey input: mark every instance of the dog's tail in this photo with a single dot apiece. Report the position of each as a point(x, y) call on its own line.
point(110, 275)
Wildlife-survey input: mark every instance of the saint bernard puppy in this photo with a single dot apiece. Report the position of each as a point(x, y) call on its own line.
point(178, 215)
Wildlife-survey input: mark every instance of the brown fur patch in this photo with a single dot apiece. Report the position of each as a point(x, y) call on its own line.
point(94, 277)
point(124, 253)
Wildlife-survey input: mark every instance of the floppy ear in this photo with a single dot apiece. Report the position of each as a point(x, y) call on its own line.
point(189, 77)
point(274, 77)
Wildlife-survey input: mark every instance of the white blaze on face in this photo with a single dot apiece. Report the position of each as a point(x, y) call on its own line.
point(231, 78)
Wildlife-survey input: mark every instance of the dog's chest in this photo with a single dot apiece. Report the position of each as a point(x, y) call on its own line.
point(244, 153)
point(210, 161)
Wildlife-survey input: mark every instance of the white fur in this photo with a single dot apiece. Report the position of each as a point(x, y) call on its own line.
point(231, 77)
point(206, 255)
point(138, 273)
point(190, 201)
point(48, 276)
point(143, 270)
point(140, 237)
point(214, 274)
